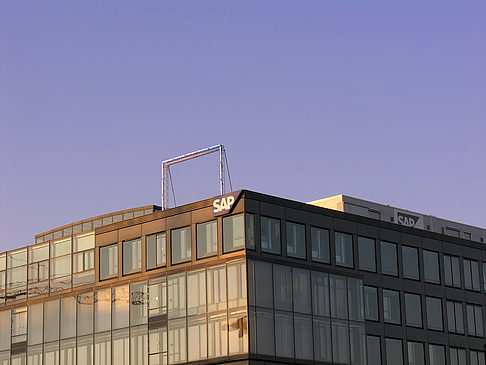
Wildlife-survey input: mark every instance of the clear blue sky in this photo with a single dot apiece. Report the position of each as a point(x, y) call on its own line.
point(383, 100)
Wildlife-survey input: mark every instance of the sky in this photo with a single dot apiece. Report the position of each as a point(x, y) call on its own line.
point(381, 100)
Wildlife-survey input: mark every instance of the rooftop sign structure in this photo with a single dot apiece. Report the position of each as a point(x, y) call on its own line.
point(167, 163)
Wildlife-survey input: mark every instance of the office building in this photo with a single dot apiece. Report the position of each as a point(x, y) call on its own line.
point(247, 278)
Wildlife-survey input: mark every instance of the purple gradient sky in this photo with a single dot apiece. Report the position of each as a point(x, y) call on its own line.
point(383, 100)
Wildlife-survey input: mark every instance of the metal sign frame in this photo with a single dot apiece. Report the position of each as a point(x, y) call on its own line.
point(167, 163)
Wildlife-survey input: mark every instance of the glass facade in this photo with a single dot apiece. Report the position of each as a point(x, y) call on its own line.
point(287, 287)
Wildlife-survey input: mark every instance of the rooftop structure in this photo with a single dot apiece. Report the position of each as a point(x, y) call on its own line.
point(245, 278)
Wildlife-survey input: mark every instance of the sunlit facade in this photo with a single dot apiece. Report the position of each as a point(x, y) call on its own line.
point(268, 281)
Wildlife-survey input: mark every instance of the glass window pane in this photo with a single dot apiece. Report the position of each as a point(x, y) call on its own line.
point(51, 320)
point(371, 303)
point(413, 310)
point(340, 342)
point(284, 341)
point(108, 262)
point(265, 329)
point(61, 247)
point(320, 245)
point(410, 263)
point(366, 252)
point(303, 336)
point(238, 331)
point(34, 356)
point(102, 348)
point(270, 235)
point(216, 284)
point(132, 256)
point(389, 258)
point(121, 347)
point(139, 345)
point(217, 334)
point(155, 250)
point(138, 303)
point(35, 322)
point(180, 245)
point(158, 345)
point(68, 352)
point(85, 350)
point(233, 233)
point(339, 301)
point(391, 306)
point(301, 290)
point(357, 342)
point(196, 292)
point(17, 258)
point(394, 354)
point(320, 294)
point(416, 353)
point(207, 239)
point(373, 350)
point(431, 267)
point(51, 354)
point(264, 290)
point(120, 307)
point(85, 313)
point(157, 297)
point(434, 313)
point(38, 253)
point(196, 336)
point(83, 241)
point(436, 355)
point(68, 317)
point(344, 249)
point(236, 272)
point(177, 295)
point(103, 310)
point(249, 230)
point(355, 299)
point(282, 287)
point(296, 240)
point(322, 339)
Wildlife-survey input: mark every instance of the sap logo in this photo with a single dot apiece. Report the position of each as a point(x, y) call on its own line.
point(407, 219)
point(223, 204)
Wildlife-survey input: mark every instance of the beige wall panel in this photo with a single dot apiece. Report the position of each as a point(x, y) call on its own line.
point(130, 233)
point(153, 227)
point(106, 238)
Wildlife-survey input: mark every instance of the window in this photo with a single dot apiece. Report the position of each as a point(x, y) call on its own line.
point(180, 244)
point(391, 306)
point(366, 254)
point(410, 263)
point(484, 277)
point(102, 310)
point(394, 353)
point(233, 233)
point(264, 289)
point(415, 353)
point(284, 341)
point(196, 336)
point(132, 256)
point(471, 275)
point(60, 265)
point(282, 291)
point(452, 272)
point(138, 303)
point(120, 306)
point(431, 267)
point(455, 318)
point(373, 349)
point(355, 299)
point(238, 331)
point(216, 287)
point(371, 303)
point(413, 310)
point(339, 300)
point(196, 292)
point(320, 245)
point(322, 339)
point(357, 342)
point(207, 239)
point(250, 230)
point(474, 320)
point(108, 262)
point(236, 284)
point(303, 336)
point(156, 247)
point(340, 342)
point(296, 240)
point(458, 356)
point(270, 235)
point(434, 313)
point(38, 273)
point(344, 249)
point(389, 258)
point(19, 324)
point(477, 357)
point(51, 321)
point(436, 355)
point(176, 285)
point(320, 294)
point(83, 259)
point(265, 329)
point(301, 291)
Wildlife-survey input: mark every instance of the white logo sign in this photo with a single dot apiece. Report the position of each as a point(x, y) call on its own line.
point(223, 204)
point(409, 220)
